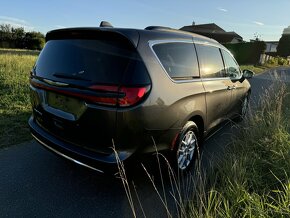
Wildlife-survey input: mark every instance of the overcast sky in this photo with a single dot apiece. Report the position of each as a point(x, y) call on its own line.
point(247, 18)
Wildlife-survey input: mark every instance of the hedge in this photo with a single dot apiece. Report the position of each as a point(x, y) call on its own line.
point(283, 48)
point(247, 52)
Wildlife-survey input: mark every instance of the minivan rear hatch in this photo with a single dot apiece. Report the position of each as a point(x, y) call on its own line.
point(80, 79)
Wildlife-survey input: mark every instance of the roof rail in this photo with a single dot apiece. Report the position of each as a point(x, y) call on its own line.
point(158, 28)
point(105, 24)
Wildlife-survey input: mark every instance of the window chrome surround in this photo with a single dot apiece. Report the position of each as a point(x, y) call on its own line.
point(215, 78)
point(193, 41)
point(228, 52)
point(221, 47)
point(198, 42)
point(156, 42)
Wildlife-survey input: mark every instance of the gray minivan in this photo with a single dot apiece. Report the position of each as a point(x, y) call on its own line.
point(95, 87)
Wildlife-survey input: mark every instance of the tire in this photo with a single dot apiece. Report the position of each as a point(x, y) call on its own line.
point(244, 107)
point(186, 147)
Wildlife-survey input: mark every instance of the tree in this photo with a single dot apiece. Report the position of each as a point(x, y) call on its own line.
point(11, 37)
point(283, 48)
point(5, 32)
point(17, 35)
point(34, 40)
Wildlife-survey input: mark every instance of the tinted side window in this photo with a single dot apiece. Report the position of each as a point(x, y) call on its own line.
point(232, 68)
point(178, 59)
point(211, 62)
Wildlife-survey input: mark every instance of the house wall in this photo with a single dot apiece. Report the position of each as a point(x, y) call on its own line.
point(235, 40)
point(271, 46)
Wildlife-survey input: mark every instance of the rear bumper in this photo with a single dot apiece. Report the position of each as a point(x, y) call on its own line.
point(92, 160)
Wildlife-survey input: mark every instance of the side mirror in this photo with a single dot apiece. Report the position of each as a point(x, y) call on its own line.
point(247, 74)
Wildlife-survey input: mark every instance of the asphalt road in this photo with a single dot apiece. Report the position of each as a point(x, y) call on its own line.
point(36, 183)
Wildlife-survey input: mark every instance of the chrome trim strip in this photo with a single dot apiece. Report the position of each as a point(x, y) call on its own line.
point(187, 81)
point(208, 44)
point(154, 42)
point(37, 111)
point(193, 41)
point(50, 82)
point(217, 130)
point(216, 78)
point(65, 156)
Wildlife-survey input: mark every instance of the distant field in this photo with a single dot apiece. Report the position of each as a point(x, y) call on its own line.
point(15, 66)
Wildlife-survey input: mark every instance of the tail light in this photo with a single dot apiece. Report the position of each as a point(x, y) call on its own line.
point(111, 101)
point(132, 95)
point(105, 95)
point(128, 96)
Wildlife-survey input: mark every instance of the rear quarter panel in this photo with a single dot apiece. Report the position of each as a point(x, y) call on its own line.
point(168, 107)
point(170, 103)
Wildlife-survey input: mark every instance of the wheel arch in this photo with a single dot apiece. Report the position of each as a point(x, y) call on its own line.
point(199, 121)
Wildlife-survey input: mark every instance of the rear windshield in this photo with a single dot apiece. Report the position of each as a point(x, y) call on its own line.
point(98, 61)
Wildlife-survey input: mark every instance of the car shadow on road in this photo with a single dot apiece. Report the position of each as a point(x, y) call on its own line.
point(40, 183)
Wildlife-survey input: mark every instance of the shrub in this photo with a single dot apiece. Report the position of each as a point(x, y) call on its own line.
point(277, 61)
point(247, 52)
point(283, 48)
point(272, 61)
point(282, 61)
point(11, 37)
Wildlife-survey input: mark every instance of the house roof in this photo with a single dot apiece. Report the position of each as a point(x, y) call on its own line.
point(210, 27)
point(212, 30)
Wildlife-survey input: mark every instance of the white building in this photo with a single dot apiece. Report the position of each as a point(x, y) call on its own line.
point(286, 30)
point(271, 46)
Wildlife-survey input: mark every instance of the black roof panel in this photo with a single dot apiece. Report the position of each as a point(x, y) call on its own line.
point(132, 34)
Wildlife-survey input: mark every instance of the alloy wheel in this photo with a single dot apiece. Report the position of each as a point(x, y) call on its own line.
point(186, 150)
point(244, 107)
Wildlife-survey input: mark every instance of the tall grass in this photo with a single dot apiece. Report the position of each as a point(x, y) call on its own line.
point(15, 67)
point(252, 179)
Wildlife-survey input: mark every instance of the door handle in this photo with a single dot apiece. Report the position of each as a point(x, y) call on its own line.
point(231, 87)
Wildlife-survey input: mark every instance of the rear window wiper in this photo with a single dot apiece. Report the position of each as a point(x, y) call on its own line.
point(60, 75)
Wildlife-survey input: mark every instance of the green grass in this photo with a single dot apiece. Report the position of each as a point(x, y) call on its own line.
point(257, 69)
point(15, 66)
point(253, 180)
